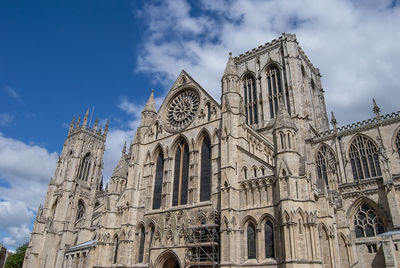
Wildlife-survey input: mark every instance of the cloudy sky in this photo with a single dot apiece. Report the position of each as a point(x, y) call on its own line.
point(61, 57)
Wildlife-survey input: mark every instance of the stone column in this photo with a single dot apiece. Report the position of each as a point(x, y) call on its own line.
point(389, 252)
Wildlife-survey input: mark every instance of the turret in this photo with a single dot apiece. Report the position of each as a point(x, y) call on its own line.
point(120, 173)
point(149, 111)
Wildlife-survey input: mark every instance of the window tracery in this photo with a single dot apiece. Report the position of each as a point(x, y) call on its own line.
point(274, 90)
point(250, 99)
point(364, 158)
point(181, 175)
point(326, 163)
point(84, 168)
point(158, 181)
point(367, 223)
point(398, 142)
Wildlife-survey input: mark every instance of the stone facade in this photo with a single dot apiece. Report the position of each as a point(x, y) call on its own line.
point(259, 179)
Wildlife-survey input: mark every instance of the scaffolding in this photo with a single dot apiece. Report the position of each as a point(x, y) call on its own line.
point(202, 246)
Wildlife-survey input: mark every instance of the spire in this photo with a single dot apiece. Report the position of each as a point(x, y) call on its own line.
point(78, 122)
point(283, 119)
point(85, 119)
point(230, 68)
point(95, 124)
point(106, 128)
point(121, 170)
point(150, 105)
point(334, 122)
point(71, 126)
point(124, 149)
point(376, 110)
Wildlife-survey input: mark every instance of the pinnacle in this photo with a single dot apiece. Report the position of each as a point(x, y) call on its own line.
point(283, 118)
point(230, 68)
point(150, 105)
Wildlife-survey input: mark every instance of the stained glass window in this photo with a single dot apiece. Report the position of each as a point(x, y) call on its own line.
point(367, 223)
point(364, 158)
point(83, 172)
point(181, 175)
point(326, 163)
point(158, 181)
point(274, 90)
point(250, 99)
point(141, 245)
point(398, 142)
point(251, 241)
point(269, 240)
point(205, 176)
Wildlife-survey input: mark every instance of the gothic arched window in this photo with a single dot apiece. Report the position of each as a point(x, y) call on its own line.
point(116, 249)
point(269, 240)
point(250, 99)
point(364, 158)
point(251, 241)
point(205, 173)
point(326, 163)
point(81, 210)
point(141, 244)
point(84, 168)
point(158, 181)
point(398, 142)
point(367, 223)
point(181, 176)
point(274, 90)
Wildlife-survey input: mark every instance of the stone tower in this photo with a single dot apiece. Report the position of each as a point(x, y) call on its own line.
point(69, 202)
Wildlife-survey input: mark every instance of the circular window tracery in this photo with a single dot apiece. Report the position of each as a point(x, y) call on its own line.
point(182, 109)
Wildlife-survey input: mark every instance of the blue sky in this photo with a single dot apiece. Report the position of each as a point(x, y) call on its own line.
point(58, 58)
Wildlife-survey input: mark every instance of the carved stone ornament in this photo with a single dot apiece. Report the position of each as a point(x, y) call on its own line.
point(182, 109)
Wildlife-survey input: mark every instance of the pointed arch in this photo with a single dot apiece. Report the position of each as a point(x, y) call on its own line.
point(364, 159)
point(250, 98)
point(325, 161)
point(142, 238)
point(158, 181)
point(84, 168)
point(116, 244)
point(205, 169)
point(251, 241)
point(274, 87)
point(181, 172)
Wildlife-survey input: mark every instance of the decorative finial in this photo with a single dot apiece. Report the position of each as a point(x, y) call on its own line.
point(106, 128)
point(230, 54)
point(71, 126)
point(334, 122)
point(376, 110)
point(85, 119)
point(124, 149)
point(78, 122)
point(95, 124)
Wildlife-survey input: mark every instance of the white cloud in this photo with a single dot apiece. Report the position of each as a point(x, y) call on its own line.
point(13, 94)
point(354, 43)
point(25, 171)
point(5, 119)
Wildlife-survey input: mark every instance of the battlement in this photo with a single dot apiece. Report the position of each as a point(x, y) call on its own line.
point(76, 127)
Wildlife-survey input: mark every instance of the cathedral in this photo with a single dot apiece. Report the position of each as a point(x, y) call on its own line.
point(261, 178)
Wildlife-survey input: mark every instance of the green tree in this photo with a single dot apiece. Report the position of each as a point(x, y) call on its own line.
point(16, 260)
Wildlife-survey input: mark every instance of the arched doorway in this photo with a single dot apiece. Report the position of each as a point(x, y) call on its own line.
point(167, 259)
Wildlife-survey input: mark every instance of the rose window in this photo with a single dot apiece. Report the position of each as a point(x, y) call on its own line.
point(182, 109)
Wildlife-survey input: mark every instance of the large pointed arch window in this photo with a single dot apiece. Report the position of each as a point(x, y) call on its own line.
point(251, 241)
point(141, 244)
point(250, 99)
point(367, 223)
point(364, 158)
point(205, 173)
point(269, 240)
point(326, 163)
point(274, 90)
point(158, 181)
point(83, 172)
point(181, 175)
point(398, 142)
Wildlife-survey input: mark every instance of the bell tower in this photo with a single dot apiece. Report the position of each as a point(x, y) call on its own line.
point(69, 202)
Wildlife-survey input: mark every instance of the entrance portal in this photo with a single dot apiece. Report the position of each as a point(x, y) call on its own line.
point(167, 259)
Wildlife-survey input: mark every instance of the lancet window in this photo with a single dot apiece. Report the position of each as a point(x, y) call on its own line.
point(367, 223)
point(158, 181)
point(250, 99)
point(251, 241)
point(83, 172)
point(326, 163)
point(141, 244)
point(81, 210)
point(116, 249)
point(181, 176)
point(274, 90)
point(398, 142)
point(205, 173)
point(364, 158)
point(269, 240)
